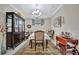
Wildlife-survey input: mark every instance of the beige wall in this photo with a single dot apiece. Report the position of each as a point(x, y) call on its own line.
point(2, 19)
point(71, 17)
point(45, 27)
point(2, 39)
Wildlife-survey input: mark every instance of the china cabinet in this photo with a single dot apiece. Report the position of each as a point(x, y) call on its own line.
point(15, 30)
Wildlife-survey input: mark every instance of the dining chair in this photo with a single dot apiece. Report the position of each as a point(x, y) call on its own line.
point(39, 38)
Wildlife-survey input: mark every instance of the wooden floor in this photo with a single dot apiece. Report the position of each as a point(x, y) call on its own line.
point(51, 50)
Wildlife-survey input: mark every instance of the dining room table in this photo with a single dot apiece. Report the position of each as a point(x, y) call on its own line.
point(46, 38)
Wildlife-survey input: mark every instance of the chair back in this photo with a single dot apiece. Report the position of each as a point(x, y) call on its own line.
point(39, 35)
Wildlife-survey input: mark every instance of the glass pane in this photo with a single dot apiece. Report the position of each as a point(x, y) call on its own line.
point(16, 24)
point(20, 25)
point(23, 26)
point(9, 23)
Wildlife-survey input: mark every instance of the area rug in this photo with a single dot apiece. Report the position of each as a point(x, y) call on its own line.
point(51, 50)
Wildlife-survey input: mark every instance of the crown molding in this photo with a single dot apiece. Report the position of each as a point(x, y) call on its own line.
point(31, 17)
point(57, 9)
point(17, 10)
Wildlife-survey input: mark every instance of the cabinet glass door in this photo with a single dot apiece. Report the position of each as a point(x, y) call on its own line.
point(20, 25)
point(9, 23)
point(16, 24)
point(23, 26)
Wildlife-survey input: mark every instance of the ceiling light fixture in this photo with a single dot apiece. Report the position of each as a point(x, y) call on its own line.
point(36, 12)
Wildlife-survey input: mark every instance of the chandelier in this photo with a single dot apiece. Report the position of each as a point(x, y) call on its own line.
point(36, 12)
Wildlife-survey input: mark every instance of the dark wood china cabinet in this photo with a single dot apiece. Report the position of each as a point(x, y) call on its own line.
point(15, 30)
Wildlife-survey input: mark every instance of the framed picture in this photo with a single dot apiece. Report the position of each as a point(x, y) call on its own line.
point(38, 22)
point(57, 22)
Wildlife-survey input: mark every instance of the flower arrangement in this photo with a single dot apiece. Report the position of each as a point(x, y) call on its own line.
point(66, 34)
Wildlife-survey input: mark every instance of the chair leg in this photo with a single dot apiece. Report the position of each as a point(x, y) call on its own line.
point(43, 46)
point(35, 46)
point(31, 43)
point(46, 43)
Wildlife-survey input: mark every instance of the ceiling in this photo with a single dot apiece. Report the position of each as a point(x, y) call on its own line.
point(47, 10)
point(6, 8)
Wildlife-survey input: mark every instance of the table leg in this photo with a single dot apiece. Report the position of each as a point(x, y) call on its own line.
point(31, 43)
point(46, 43)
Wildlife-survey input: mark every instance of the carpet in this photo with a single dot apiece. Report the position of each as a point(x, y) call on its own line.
point(51, 50)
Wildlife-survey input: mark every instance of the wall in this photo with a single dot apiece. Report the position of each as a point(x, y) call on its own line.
point(2, 39)
point(71, 17)
point(45, 27)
